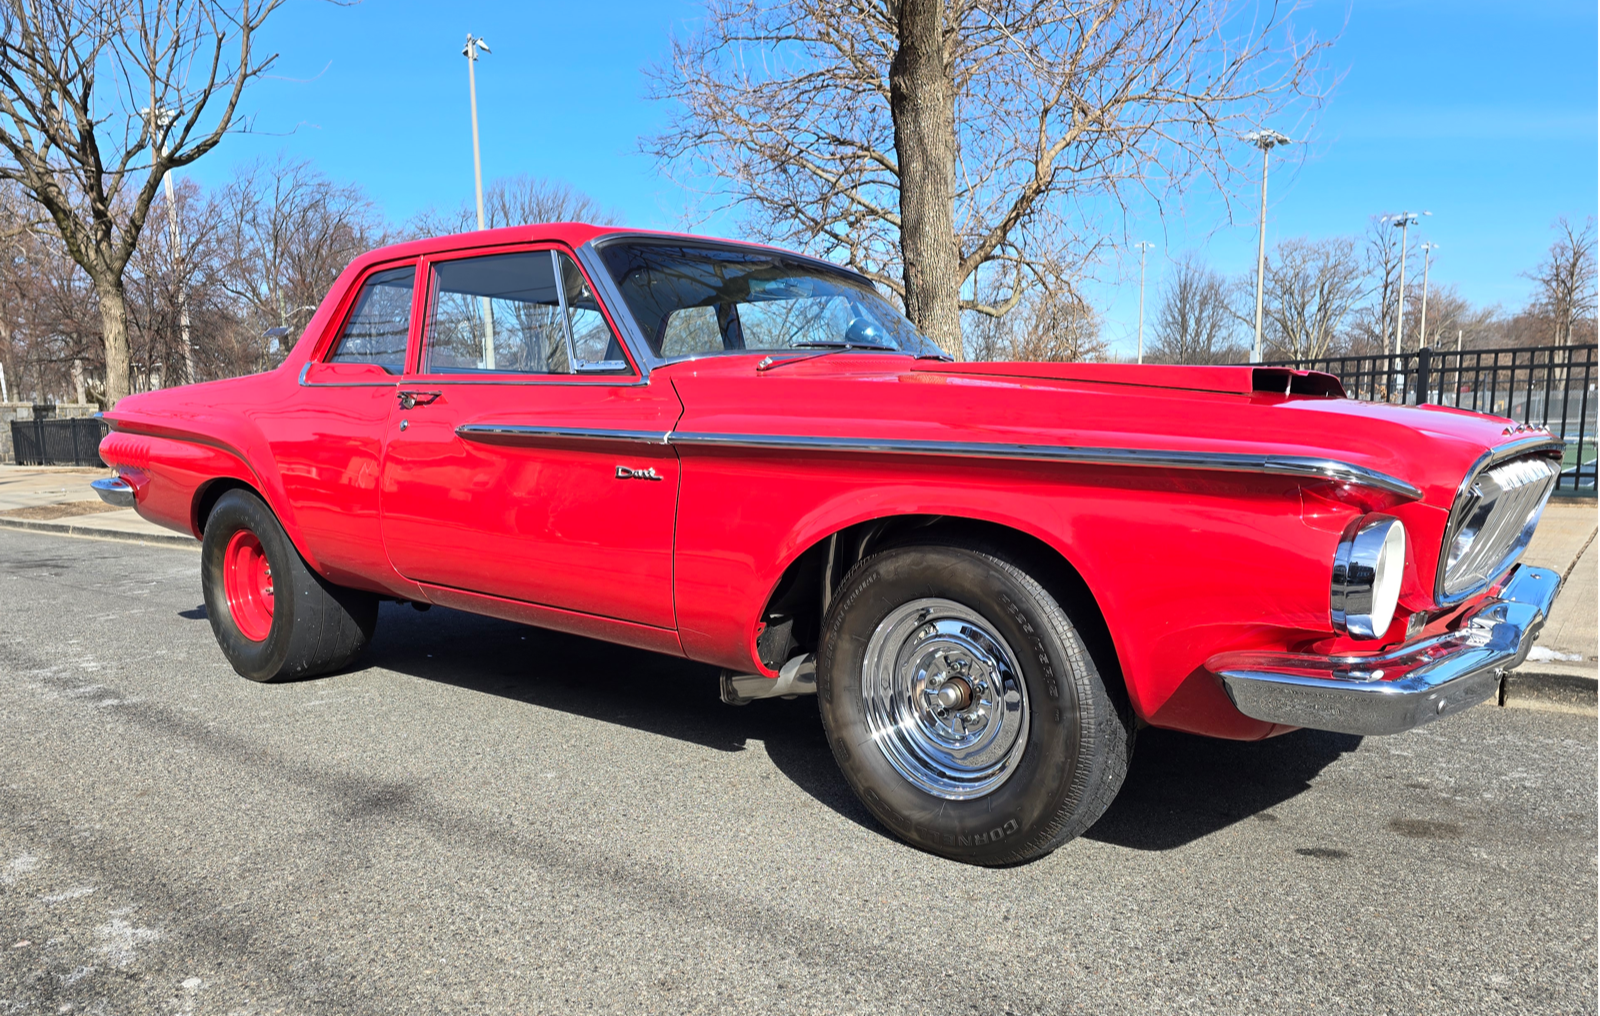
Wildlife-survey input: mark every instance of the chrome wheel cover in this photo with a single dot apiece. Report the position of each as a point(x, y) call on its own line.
point(945, 699)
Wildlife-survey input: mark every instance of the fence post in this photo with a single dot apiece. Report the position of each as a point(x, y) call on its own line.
point(1424, 366)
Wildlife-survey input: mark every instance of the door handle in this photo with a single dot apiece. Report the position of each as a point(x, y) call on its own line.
point(411, 400)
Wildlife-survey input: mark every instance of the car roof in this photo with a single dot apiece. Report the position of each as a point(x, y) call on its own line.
point(572, 234)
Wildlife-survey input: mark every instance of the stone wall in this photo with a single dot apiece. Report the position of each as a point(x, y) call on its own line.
point(10, 411)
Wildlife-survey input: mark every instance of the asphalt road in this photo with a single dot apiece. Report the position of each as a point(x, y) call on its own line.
point(487, 818)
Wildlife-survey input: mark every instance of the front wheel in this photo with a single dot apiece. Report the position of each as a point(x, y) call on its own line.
point(965, 709)
point(274, 617)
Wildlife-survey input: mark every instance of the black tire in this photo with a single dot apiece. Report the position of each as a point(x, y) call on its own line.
point(1077, 738)
point(316, 626)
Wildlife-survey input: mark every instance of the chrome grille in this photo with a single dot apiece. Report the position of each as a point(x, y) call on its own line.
point(1492, 521)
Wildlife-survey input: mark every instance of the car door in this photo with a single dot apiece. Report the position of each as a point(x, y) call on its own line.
point(510, 473)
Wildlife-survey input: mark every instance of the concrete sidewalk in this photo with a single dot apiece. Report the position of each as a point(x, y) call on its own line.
point(57, 499)
point(1560, 673)
point(1563, 671)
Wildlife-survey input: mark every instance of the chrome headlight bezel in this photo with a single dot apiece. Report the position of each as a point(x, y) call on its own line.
point(1368, 570)
point(1509, 512)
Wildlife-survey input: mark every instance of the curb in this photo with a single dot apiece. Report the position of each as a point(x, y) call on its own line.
point(94, 533)
point(1552, 688)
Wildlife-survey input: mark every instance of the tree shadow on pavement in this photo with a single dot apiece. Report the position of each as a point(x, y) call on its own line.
point(1182, 787)
point(646, 691)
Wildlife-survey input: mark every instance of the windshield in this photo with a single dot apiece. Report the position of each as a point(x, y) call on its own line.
point(690, 300)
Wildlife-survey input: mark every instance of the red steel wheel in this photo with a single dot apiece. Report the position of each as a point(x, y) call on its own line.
point(247, 583)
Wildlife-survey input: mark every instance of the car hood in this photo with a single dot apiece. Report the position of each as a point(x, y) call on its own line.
point(1203, 410)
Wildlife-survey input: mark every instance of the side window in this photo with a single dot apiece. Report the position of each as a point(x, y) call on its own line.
point(691, 330)
point(594, 347)
point(377, 328)
point(498, 314)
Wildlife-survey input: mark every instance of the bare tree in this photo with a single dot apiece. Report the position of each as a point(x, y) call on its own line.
point(1196, 322)
point(925, 141)
point(1371, 330)
point(513, 201)
point(1311, 285)
point(98, 99)
point(287, 232)
point(1048, 325)
point(1566, 278)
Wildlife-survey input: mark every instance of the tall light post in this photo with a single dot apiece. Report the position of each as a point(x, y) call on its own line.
point(159, 120)
point(1427, 259)
point(470, 51)
point(1144, 247)
point(1405, 220)
point(1265, 140)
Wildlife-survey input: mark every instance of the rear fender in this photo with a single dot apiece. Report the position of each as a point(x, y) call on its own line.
point(172, 469)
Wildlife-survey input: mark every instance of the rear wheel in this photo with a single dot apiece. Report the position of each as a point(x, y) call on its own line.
point(964, 708)
point(274, 617)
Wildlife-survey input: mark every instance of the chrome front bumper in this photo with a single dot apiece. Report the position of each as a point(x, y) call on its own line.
point(1404, 688)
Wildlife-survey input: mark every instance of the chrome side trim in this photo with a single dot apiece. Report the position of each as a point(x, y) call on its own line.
point(1285, 465)
point(515, 433)
point(1404, 688)
point(115, 490)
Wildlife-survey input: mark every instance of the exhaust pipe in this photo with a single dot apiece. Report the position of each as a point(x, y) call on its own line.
point(797, 677)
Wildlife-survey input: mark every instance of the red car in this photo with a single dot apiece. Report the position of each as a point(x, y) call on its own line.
point(991, 574)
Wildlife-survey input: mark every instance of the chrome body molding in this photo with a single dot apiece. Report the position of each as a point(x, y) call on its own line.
point(115, 490)
point(504, 433)
point(1286, 465)
point(1406, 687)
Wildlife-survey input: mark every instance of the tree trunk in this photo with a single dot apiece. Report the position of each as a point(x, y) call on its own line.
point(922, 102)
point(114, 325)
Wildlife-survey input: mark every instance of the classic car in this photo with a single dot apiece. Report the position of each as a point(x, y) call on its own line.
point(991, 575)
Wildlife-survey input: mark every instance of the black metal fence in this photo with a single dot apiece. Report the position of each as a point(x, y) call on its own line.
point(1547, 386)
point(47, 442)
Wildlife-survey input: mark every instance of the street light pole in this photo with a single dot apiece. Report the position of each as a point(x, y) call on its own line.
point(1404, 220)
point(470, 51)
point(1144, 247)
point(1427, 259)
point(1265, 140)
point(160, 119)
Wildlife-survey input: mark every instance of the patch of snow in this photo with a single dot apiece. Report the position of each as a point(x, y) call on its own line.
point(18, 867)
point(1539, 654)
point(118, 939)
point(70, 894)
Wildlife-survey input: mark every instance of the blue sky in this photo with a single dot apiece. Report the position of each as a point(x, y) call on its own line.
point(1483, 113)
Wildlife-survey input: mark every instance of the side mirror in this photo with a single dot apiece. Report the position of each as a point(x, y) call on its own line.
point(866, 332)
point(346, 374)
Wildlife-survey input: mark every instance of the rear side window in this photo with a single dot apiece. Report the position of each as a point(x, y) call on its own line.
point(378, 326)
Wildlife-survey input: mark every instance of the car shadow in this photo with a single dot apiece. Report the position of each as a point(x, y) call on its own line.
point(646, 691)
point(1180, 787)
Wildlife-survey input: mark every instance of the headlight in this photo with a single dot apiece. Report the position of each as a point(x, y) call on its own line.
point(1367, 569)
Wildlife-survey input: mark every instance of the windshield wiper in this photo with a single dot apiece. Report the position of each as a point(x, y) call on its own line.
point(838, 344)
point(827, 347)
